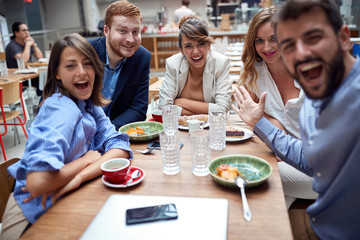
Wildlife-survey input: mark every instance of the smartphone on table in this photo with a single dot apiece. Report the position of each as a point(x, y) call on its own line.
point(151, 213)
point(156, 145)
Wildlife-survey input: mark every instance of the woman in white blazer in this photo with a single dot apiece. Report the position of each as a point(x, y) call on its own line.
point(197, 79)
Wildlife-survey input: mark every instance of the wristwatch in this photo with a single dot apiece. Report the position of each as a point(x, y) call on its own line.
point(35, 44)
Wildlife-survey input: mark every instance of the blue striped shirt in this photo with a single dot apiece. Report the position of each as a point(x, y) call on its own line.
point(62, 132)
point(330, 153)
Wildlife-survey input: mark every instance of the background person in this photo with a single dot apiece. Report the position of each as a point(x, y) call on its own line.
point(182, 11)
point(69, 139)
point(22, 45)
point(197, 79)
point(263, 71)
point(127, 64)
point(315, 45)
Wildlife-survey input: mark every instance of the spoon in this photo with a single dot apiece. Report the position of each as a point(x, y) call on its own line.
point(246, 209)
point(135, 174)
point(146, 151)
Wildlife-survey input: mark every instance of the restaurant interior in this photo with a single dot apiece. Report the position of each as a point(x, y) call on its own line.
point(228, 23)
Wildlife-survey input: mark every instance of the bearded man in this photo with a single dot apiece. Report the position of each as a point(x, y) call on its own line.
point(314, 45)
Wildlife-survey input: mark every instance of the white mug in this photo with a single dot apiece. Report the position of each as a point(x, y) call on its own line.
point(195, 124)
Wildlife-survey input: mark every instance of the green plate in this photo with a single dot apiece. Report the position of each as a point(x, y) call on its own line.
point(255, 169)
point(152, 128)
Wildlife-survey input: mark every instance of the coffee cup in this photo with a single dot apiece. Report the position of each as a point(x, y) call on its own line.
point(195, 124)
point(115, 170)
point(157, 115)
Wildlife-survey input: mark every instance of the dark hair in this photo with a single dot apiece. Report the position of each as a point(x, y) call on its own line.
point(15, 28)
point(185, 2)
point(293, 9)
point(194, 29)
point(53, 85)
point(121, 8)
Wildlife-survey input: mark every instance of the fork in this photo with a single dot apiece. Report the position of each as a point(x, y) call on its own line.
point(146, 151)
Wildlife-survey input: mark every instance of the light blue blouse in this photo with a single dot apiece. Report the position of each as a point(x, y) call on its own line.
point(62, 132)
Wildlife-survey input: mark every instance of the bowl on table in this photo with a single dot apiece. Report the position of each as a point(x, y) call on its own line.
point(256, 170)
point(151, 130)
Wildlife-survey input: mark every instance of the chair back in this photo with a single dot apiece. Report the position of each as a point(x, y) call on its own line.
point(153, 79)
point(10, 92)
point(2, 56)
point(6, 184)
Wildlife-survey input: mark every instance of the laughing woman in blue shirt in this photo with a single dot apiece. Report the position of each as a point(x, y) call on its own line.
point(69, 139)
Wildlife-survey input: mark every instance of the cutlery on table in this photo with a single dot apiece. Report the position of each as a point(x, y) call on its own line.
point(135, 174)
point(246, 209)
point(146, 151)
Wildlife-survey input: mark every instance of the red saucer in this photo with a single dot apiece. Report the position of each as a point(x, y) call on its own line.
point(125, 185)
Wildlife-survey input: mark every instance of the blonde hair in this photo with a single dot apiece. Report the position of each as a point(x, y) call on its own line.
point(250, 55)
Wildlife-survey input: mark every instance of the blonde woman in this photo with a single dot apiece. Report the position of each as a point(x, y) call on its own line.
point(264, 71)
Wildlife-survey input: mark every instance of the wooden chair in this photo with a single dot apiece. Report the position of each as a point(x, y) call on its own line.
point(6, 184)
point(10, 93)
point(2, 56)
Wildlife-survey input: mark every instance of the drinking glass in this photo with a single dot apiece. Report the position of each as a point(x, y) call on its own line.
point(200, 152)
point(3, 68)
point(217, 124)
point(170, 117)
point(21, 63)
point(170, 152)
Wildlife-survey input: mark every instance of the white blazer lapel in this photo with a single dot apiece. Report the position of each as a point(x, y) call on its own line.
point(208, 79)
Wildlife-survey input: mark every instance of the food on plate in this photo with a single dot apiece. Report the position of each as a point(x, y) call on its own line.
point(200, 117)
point(228, 172)
point(234, 132)
point(138, 131)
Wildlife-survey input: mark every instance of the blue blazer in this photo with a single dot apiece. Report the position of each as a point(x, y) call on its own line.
point(130, 99)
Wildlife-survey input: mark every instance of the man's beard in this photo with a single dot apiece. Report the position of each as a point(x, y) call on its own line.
point(335, 70)
point(114, 48)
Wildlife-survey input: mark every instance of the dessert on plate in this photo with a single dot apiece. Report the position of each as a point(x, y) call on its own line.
point(234, 132)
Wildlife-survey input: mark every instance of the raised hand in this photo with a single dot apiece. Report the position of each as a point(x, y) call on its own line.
point(248, 110)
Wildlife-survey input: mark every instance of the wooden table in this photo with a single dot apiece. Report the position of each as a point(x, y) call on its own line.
point(38, 64)
point(70, 216)
point(20, 76)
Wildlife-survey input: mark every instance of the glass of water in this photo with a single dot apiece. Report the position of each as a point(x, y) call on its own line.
point(200, 152)
point(170, 152)
point(217, 124)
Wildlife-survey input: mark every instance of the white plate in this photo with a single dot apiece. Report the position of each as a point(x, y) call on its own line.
point(134, 182)
point(247, 134)
point(235, 58)
point(30, 70)
point(234, 53)
point(186, 127)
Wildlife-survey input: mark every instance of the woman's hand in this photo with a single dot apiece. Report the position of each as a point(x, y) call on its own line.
point(249, 111)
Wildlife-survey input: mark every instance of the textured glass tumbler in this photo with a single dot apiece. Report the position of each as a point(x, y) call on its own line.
point(3, 68)
point(170, 152)
point(200, 152)
point(217, 122)
point(170, 117)
point(21, 63)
